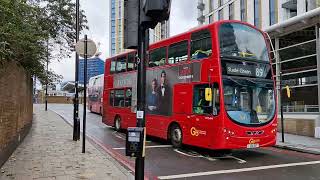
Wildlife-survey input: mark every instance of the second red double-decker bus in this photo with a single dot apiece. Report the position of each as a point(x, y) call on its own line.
point(95, 94)
point(211, 87)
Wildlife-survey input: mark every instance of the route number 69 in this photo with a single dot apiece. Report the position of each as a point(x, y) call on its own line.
point(259, 72)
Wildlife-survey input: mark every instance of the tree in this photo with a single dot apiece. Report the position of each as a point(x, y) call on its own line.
point(31, 30)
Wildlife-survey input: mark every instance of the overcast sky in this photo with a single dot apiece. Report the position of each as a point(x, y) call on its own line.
point(182, 18)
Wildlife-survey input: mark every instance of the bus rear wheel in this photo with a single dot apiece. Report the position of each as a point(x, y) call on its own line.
point(117, 123)
point(176, 136)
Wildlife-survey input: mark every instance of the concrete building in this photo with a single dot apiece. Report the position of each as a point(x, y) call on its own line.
point(95, 67)
point(293, 26)
point(161, 31)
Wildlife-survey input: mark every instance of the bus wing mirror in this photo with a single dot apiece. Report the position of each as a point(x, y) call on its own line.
point(208, 96)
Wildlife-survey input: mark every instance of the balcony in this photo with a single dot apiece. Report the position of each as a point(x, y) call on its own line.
point(201, 19)
point(291, 5)
point(200, 6)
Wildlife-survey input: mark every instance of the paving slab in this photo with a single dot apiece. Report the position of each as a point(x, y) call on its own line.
point(48, 152)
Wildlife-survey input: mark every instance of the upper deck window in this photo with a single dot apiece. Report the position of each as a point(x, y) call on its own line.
point(178, 52)
point(121, 64)
point(113, 66)
point(201, 44)
point(242, 41)
point(131, 62)
point(158, 57)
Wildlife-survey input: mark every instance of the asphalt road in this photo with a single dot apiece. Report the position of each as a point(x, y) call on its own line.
point(164, 162)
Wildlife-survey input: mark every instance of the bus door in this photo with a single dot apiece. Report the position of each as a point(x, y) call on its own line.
point(204, 112)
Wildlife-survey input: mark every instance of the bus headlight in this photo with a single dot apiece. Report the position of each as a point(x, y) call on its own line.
point(228, 132)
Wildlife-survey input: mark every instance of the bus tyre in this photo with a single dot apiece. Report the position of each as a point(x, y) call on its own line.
point(100, 111)
point(176, 136)
point(117, 123)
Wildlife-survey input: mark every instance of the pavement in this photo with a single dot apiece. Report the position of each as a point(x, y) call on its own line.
point(49, 153)
point(299, 143)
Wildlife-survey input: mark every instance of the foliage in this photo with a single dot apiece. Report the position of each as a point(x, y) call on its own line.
point(31, 31)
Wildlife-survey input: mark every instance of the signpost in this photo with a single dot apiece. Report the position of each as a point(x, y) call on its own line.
point(140, 15)
point(86, 48)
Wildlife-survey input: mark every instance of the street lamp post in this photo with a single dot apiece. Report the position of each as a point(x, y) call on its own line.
point(76, 121)
point(281, 109)
point(46, 100)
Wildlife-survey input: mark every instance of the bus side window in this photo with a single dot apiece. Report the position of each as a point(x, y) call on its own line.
point(113, 66)
point(121, 64)
point(131, 62)
point(111, 98)
point(178, 52)
point(157, 57)
point(119, 98)
point(128, 97)
point(200, 105)
point(201, 44)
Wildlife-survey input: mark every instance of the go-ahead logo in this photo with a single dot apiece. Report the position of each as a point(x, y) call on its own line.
point(254, 141)
point(197, 132)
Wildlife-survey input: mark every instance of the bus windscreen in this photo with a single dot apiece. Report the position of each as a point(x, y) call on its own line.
point(242, 41)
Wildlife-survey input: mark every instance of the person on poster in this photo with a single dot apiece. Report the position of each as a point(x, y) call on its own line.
point(153, 98)
point(164, 95)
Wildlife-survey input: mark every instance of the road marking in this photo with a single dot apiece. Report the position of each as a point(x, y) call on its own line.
point(116, 134)
point(237, 170)
point(147, 147)
point(197, 155)
point(241, 161)
point(194, 154)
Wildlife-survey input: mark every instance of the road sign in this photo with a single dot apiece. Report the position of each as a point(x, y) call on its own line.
point(91, 48)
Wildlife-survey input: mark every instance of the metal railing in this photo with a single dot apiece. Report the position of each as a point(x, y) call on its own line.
point(301, 108)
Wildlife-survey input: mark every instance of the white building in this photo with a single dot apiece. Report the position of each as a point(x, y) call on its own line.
point(262, 13)
point(294, 28)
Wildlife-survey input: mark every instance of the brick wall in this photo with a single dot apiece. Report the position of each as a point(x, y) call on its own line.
point(15, 107)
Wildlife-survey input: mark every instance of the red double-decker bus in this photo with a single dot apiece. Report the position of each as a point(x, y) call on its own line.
point(95, 93)
point(210, 87)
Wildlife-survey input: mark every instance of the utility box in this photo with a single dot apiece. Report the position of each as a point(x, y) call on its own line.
point(135, 142)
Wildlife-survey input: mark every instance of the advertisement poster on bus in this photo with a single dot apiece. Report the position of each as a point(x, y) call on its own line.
point(159, 86)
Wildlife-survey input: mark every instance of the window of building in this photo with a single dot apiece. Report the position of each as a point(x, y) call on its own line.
point(128, 97)
point(119, 98)
point(211, 18)
point(121, 64)
point(220, 3)
point(220, 14)
point(211, 6)
point(178, 52)
point(231, 11)
point(257, 13)
point(200, 104)
point(273, 11)
point(201, 44)
point(158, 57)
point(131, 62)
point(113, 66)
point(243, 10)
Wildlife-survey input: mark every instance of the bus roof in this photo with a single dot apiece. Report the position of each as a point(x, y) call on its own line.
point(184, 35)
point(93, 77)
point(122, 53)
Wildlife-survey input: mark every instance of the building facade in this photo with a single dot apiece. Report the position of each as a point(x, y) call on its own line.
point(293, 27)
point(95, 67)
point(161, 31)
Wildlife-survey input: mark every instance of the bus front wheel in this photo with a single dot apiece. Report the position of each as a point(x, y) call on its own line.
point(176, 136)
point(117, 123)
